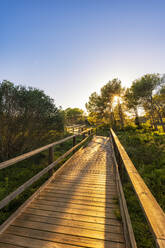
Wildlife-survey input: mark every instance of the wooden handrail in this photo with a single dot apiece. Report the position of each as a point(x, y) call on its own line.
point(127, 225)
point(153, 212)
point(36, 151)
point(24, 186)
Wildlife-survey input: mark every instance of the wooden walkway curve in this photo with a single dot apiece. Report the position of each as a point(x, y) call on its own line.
point(76, 209)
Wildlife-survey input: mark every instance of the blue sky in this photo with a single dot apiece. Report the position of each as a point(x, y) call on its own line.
point(71, 48)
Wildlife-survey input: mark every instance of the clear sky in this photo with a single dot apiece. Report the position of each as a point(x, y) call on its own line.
point(71, 48)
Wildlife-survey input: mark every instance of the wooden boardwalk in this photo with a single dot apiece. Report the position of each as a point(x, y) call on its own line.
point(76, 209)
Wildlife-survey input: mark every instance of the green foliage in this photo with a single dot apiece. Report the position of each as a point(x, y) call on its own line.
point(74, 116)
point(144, 87)
point(100, 107)
point(27, 119)
point(145, 96)
point(148, 90)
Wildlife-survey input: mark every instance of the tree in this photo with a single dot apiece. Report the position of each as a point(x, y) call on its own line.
point(100, 107)
point(95, 109)
point(74, 116)
point(132, 104)
point(145, 89)
point(28, 119)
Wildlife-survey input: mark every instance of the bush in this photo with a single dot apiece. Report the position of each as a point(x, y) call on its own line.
point(27, 118)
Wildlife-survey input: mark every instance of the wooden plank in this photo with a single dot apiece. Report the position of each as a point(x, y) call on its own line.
point(32, 242)
point(74, 216)
point(77, 206)
point(58, 237)
point(113, 227)
point(86, 212)
point(3, 245)
point(70, 230)
point(81, 187)
point(83, 182)
point(78, 196)
point(160, 243)
point(78, 202)
point(153, 212)
point(97, 191)
point(76, 190)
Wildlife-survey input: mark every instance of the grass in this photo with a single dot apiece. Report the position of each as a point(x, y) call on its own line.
point(14, 176)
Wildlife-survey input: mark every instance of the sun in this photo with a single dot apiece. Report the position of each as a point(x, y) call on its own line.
point(116, 99)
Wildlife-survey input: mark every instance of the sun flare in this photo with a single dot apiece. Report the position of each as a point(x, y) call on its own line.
point(116, 99)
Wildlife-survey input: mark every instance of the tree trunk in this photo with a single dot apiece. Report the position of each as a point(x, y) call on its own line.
point(157, 108)
point(137, 121)
point(152, 114)
point(153, 121)
point(161, 120)
point(121, 115)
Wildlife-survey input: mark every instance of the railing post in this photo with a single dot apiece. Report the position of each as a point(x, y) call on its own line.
point(74, 140)
point(74, 143)
point(119, 160)
point(51, 158)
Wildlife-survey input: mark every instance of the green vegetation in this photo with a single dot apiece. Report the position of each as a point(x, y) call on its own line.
point(28, 119)
point(117, 106)
point(74, 116)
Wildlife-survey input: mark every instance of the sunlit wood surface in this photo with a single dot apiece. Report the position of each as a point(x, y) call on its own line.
point(77, 209)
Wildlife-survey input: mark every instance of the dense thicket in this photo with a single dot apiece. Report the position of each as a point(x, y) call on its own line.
point(28, 119)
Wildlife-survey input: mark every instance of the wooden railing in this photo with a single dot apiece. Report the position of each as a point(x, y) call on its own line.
point(127, 225)
point(75, 128)
point(50, 167)
point(153, 212)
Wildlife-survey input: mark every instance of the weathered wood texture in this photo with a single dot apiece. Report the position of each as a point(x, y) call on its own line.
point(75, 209)
point(153, 212)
